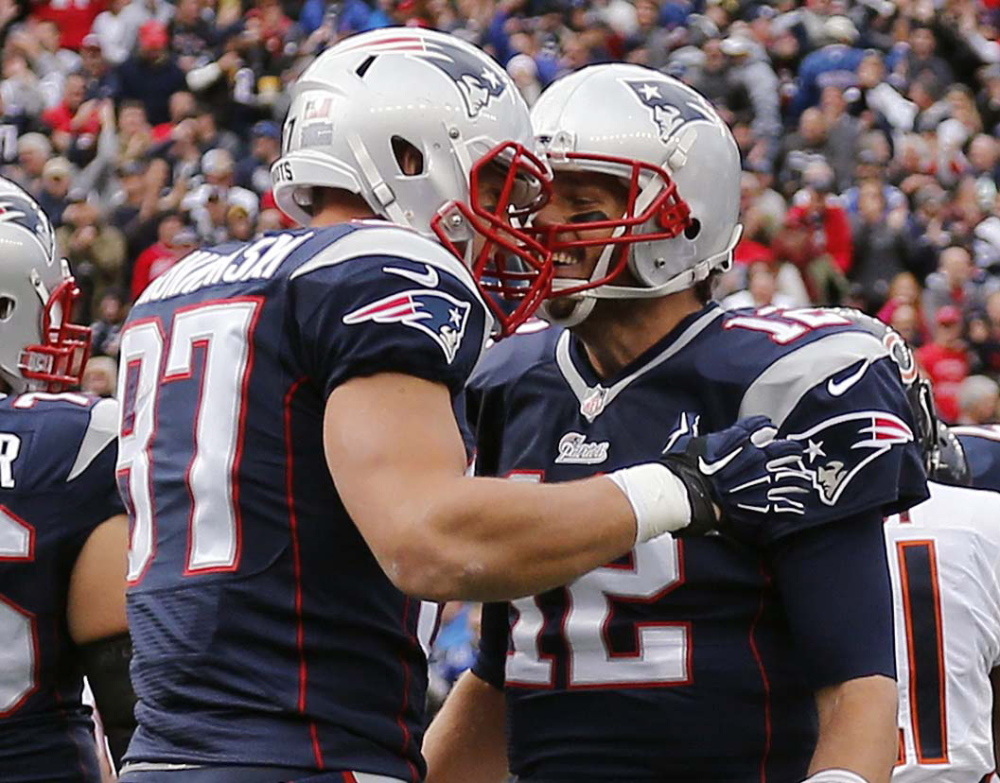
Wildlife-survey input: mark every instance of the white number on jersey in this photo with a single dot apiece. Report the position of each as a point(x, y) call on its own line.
point(786, 326)
point(225, 330)
point(663, 656)
point(17, 626)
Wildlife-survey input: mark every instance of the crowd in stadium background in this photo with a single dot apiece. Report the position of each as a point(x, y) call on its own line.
point(868, 132)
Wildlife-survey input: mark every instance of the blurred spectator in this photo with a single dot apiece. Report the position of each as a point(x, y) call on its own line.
point(761, 290)
point(100, 78)
point(956, 283)
point(905, 291)
point(523, 70)
point(650, 39)
point(906, 321)
point(53, 196)
point(835, 64)
point(843, 133)
point(113, 33)
point(107, 328)
point(73, 116)
point(73, 20)
point(254, 171)
point(945, 361)
point(96, 251)
point(800, 149)
point(978, 400)
point(41, 42)
point(192, 38)
point(209, 203)
point(33, 150)
point(209, 137)
point(922, 57)
point(880, 249)
point(173, 241)
point(21, 88)
point(135, 136)
point(751, 71)
point(152, 75)
point(100, 376)
point(830, 242)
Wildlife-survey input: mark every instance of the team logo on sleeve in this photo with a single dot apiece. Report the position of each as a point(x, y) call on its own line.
point(841, 447)
point(440, 316)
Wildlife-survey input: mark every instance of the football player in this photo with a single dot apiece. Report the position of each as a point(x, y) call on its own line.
point(710, 659)
point(63, 534)
point(944, 558)
point(268, 600)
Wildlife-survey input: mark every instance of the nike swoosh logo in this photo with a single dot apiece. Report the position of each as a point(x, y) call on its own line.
point(837, 388)
point(429, 278)
point(711, 468)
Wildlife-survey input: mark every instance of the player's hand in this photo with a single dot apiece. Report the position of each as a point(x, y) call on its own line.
point(737, 477)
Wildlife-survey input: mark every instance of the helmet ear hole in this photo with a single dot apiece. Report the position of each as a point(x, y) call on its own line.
point(409, 159)
point(693, 229)
point(7, 307)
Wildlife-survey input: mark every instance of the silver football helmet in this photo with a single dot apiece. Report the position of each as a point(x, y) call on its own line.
point(682, 168)
point(39, 348)
point(386, 98)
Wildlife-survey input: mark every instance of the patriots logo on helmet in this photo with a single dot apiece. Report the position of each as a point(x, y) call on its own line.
point(441, 317)
point(27, 214)
point(479, 84)
point(838, 449)
point(671, 111)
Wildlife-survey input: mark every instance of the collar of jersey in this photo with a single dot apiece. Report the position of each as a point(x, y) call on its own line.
point(571, 358)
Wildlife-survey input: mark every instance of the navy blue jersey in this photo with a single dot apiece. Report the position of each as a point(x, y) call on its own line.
point(982, 451)
point(264, 630)
point(681, 660)
point(57, 483)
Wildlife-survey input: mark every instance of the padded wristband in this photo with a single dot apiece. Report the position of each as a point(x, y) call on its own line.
point(659, 499)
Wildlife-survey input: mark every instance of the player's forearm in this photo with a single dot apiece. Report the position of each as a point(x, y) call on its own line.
point(494, 539)
point(857, 728)
point(466, 742)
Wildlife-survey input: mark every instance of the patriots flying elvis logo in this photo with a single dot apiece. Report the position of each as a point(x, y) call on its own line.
point(478, 84)
point(441, 317)
point(671, 108)
point(838, 449)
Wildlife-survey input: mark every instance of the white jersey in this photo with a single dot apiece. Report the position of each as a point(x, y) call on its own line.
point(944, 557)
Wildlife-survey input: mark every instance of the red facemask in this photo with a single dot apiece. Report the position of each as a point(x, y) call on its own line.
point(667, 210)
point(59, 360)
point(512, 268)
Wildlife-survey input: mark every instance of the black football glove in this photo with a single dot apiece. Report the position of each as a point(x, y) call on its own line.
point(745, 473)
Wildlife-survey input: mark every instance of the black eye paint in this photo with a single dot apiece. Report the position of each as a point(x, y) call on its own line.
point(589, 217)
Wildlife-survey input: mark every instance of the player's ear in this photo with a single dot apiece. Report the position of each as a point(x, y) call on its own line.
point(409, 159)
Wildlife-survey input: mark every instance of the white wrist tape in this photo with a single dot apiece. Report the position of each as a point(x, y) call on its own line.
point(835, 776)
point(658, 498)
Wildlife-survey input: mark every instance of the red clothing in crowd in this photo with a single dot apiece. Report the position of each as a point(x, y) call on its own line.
point(836, 229)
point(74, 18)
point(60, 118)
point(151, 263)
point(947, 368)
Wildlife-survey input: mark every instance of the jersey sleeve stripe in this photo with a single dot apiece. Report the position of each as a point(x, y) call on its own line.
point(389, 241)
point(777, 390)
point(103, 429)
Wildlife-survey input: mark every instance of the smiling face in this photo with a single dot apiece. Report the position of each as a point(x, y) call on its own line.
point(580, 197)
